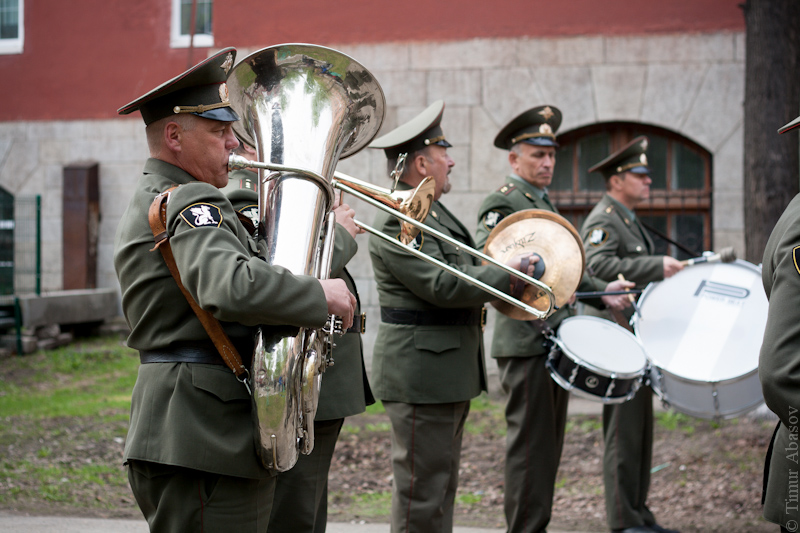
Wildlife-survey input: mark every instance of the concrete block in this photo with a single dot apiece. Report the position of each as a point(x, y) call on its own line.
point(669, 93)
point(456, 124)
point(740, 47)
point(729, 163)
point(718, 108)
point(40, 130)
point(506, 93)
point(488, 164)
point(570, 90)
point(377, 57)
point(618, 91)
point(403, 87)
point(728, 211)
point(458, 55)
point(19, 165)
point(676, 48)
point(12, 131)
point(460, 175)
point(561, 51)
point(68, 307)
point(455, 87)
point(9, 342)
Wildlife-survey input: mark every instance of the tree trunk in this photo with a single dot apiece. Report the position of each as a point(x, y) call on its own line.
point(771, 99)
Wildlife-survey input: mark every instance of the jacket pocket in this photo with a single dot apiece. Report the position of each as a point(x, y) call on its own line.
point(436, 340)
point(220, 382)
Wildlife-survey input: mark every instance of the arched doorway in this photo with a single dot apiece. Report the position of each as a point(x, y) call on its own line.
point(680, 196)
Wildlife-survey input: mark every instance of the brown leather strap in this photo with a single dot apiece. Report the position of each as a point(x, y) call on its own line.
point(157, 216)
point(247, 223)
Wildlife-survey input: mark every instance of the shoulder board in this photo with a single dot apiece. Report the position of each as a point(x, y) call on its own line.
point(507, 188)
point(202, 214)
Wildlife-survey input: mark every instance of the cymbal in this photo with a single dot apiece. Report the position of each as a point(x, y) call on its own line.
point(557, 242)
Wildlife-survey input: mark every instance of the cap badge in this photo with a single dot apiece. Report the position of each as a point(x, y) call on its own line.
point(223, 93)
point(546, 129)
point(643, 159)
point(546, 113)
point(227, 64)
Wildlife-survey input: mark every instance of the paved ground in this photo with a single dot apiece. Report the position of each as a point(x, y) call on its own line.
point(44, 524)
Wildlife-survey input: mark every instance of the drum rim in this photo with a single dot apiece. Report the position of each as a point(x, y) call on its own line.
point(605, 373)
point(654, 367)
point(573, 389)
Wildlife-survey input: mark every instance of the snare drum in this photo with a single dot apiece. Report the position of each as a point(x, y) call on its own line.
point(702, 331)
point(597, 359)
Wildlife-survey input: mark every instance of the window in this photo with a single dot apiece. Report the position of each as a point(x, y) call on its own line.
point(680, 195)
point(11, 26)
point(181, 28)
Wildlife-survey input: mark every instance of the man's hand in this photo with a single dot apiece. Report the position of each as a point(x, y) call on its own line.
point(345, 217)
point(671, 266)
point(620, 301)
point(516, 263)
point(341, 301)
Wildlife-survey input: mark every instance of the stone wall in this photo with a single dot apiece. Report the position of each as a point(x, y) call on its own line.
point(692, 84)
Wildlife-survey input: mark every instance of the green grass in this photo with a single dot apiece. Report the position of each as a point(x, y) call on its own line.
point(372, 504)
point(79, 380)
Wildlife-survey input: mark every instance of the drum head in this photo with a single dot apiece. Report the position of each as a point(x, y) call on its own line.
point(552, 237)
point(706, 323)
point(602, 344)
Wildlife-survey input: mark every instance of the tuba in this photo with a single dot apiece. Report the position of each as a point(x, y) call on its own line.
point(304, 107)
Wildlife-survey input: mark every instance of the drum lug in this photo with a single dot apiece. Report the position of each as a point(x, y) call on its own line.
point(611, 386)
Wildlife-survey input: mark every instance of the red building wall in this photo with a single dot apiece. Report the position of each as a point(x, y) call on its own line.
point(84, 60)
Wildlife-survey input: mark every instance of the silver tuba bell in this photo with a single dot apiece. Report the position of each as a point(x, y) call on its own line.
point(304, 107)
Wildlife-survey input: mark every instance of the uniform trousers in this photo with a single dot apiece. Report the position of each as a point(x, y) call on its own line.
point(628, 434)
point(536, 415)
point(182, 500)
point(426, 452)
point(301, 494)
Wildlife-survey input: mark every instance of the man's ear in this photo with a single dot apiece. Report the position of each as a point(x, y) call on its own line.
point(512, 157)
point(421, 165)
point(173, 134)
point(615, 181)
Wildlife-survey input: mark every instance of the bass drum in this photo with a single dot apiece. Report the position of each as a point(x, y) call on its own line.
point(597, 359)
point(702, 331)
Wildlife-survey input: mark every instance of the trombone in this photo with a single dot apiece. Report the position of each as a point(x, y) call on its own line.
point(417, 203)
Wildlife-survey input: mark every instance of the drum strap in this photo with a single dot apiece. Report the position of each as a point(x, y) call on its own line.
point(157, 216)
point(767, 461)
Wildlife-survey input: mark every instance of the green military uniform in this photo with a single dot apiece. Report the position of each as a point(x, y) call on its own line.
point(300, 503)
point(190, 447)
point(616, 243)
point(778, 364)
point(536, 406)
point(428, 360)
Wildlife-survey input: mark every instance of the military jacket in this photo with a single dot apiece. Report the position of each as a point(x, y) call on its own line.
point(616, 244)
point(429, 364)
point(340, 394)
point(519, 338)
point(779, 364)
point(194, 415)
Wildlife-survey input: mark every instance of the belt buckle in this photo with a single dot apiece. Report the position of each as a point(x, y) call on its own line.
point(363, 323)
point(483, 319)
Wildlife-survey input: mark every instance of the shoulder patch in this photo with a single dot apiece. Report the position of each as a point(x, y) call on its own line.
point(491, 219)
point(197, 215)
point(416, 244)
point(507, 188)
point(796, 258)
point(251, 212)
point(598, 236)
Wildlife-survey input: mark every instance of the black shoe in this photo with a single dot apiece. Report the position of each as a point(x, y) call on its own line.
point(635, 529)
point(659, 529)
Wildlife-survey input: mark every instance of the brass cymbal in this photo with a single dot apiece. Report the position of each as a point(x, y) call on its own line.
point(557, 242)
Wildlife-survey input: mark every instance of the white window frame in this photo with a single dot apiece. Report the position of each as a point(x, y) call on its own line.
point(14, 46)
point(201, 40)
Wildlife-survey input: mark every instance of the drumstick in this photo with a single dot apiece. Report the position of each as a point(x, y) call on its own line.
point(726, 255)
point(630, 297)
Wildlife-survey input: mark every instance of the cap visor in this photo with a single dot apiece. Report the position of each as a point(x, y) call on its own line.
point(223, 114)
point(790, 126)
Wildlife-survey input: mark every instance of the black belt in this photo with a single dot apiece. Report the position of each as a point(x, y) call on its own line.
point(438, 317)
point(359, 324)
point(195, 352)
